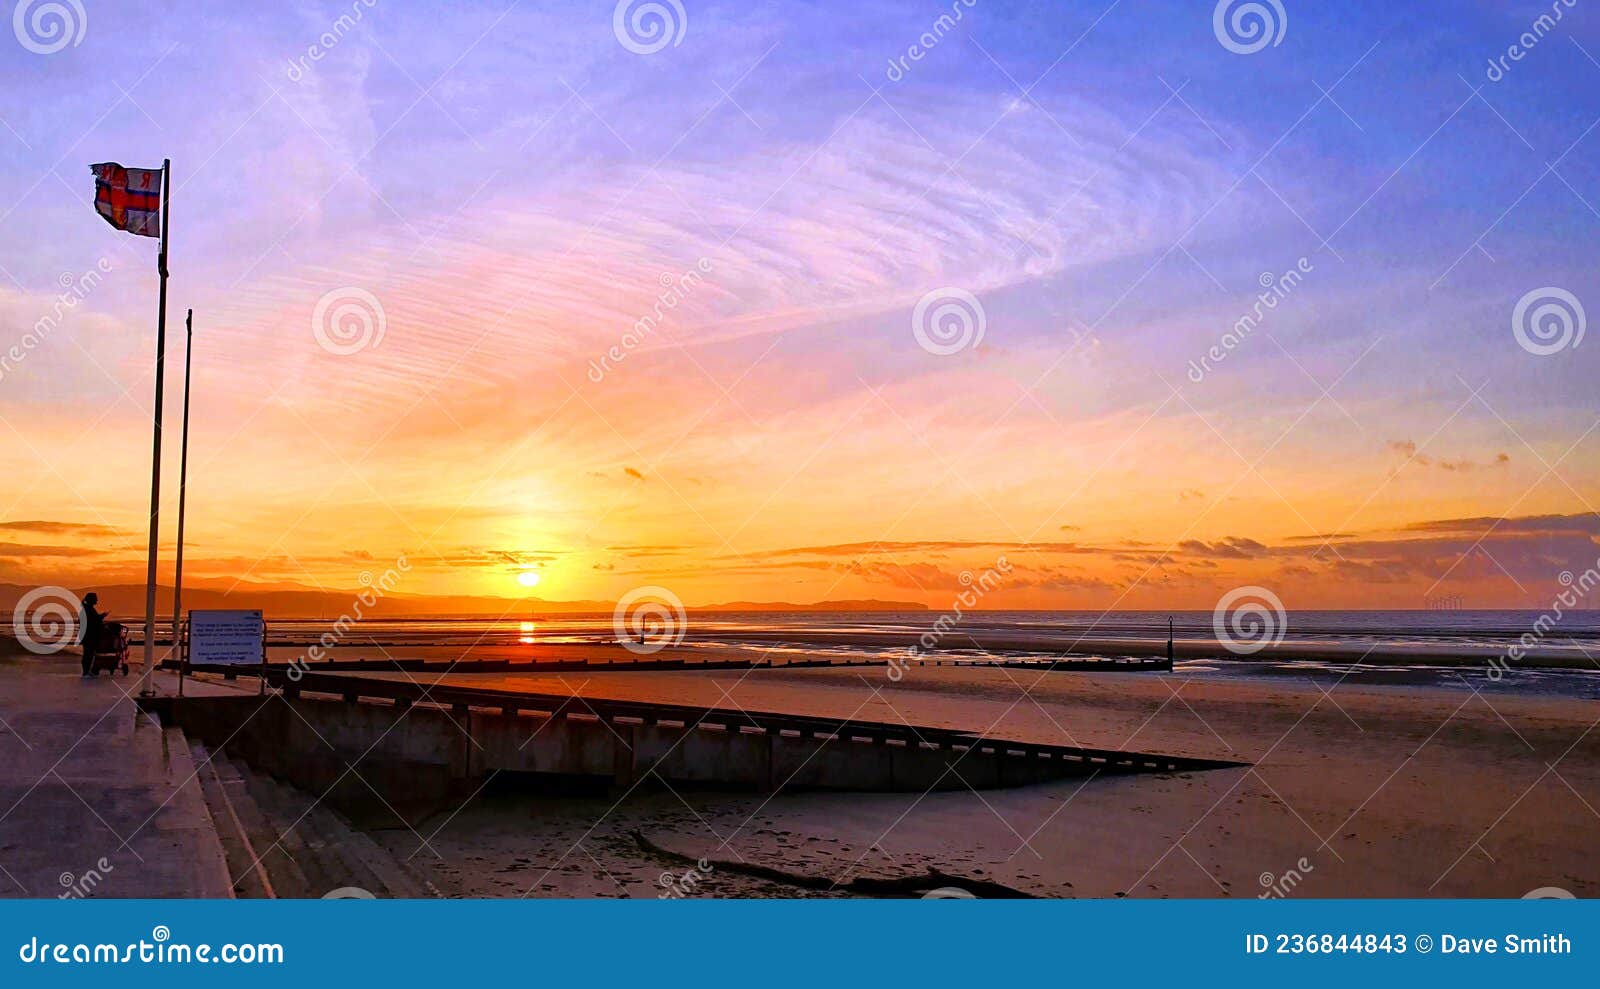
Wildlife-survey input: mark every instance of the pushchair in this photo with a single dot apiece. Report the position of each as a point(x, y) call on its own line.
point(111, 651)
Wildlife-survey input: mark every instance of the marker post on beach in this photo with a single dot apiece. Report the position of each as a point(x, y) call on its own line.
point(145, 690)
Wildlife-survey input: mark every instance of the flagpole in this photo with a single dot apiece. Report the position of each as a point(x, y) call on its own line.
point(183, 477)
point(145, 689)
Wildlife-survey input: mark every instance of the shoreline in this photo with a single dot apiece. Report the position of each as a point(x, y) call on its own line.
point(957, 647)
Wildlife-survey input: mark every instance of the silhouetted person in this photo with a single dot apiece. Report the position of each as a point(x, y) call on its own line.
point(90, 624)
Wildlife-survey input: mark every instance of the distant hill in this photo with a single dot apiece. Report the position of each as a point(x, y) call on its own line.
point(125, 601)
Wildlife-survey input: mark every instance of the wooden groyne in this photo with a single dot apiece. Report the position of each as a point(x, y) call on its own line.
point(416, 747)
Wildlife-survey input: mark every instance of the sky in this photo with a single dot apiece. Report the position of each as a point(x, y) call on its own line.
point(1136, 302)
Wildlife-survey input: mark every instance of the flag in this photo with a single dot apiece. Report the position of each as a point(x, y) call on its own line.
point(129, 198)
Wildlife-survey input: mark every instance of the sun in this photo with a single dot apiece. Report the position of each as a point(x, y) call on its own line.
point(528, 578)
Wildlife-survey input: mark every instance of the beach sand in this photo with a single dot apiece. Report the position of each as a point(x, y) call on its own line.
point(1353, 791)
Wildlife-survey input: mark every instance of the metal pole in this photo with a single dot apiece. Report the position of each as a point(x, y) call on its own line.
point(183, 477)
point(145, 690)
point(183, 487)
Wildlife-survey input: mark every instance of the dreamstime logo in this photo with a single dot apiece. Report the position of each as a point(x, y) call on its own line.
point(159, 950)
point(675, 887)
point(1278, 887)
point(1274, 290)
point(976, 588)
point(79, 887)
point(1548, 320)
point(1529, 39)
point(1248, 620)
point(1246, 28)
point(1578, 588)
point(330, 39)
point(46, 28)
point(649, 619)
point(646, 28)
point(949, 893)
point(74, 289)
point(348, 320)
point(373, 590)
point(674, 289)
point(46, 619)
point(1548, 893)
point(349, 893)
point(928, 40)
point(947, 321)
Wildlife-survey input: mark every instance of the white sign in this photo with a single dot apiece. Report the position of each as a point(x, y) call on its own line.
point(226, 637)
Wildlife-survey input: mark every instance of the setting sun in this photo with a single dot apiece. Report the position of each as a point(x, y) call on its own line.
point(528, 578)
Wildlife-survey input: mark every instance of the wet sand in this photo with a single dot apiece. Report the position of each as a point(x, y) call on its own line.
point(1355, 790)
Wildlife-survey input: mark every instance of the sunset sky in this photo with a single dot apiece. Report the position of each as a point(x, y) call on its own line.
point(515, 188)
